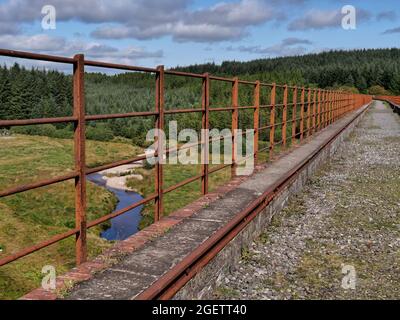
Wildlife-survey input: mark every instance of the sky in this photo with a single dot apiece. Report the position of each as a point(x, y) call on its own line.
point(183, 32)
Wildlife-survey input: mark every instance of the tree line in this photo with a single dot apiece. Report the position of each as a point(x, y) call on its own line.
point(39, 93)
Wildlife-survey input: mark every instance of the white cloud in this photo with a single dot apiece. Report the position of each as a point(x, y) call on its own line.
point(39, 42)
point(321, 19)
point(386, 15)
point(93, 50)
point(391, 31)
point(287, 47)
point(242, 13)
point(221, 22)
point(147, 19)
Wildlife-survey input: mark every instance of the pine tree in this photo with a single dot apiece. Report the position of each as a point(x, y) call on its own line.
point(5, 95)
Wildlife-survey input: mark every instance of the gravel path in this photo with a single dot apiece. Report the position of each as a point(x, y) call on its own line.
point(340, 238)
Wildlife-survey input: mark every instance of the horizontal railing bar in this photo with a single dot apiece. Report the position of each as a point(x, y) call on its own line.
point(175, 111)
point(195, 144)
point(35, 56)
point(108, 65)
point(221, 79)
point(218, 168)
point(120, 115)
point(247, 82)
point(222, 109)
point(184, 74)
point(182, 183)
point(265, 127)
point(184, 147)
point(279, 124)
point(115, 164)
point(243, 159)
point(244, 131)
point(37, 247)
point(25, 122)
point(263, 149)
point(113, 215)
point(220, 138)
point(263, 84)
point(246, 107)
point(35, 185)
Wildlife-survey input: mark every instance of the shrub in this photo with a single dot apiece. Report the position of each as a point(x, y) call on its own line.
point(100, 133)
point(378, 91)
point(36, 130)
point(64, 134)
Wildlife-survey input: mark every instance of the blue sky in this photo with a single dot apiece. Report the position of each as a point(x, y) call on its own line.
point(182, 32)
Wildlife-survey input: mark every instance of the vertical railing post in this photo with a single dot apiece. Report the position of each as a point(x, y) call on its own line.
point(330, 107)
point(326, 107)
point(303, 90)
point(294, 115)
point(284, 116)
point(205, 132)
point(342, 105)
point(235, 124)
point(309, 112)
point(256, 118)
point(272, 122)
point(158, 210)
point(314, 111)
point(322, 109)
point(339, 104)
point(336, 107)
point(80, 158)
point(319, 111)
point(350, 102)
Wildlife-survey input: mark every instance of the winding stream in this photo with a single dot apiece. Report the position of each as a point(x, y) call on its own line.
point(127, 224)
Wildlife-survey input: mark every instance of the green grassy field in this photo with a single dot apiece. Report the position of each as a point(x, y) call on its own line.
point(174, 174)
point(33, 216)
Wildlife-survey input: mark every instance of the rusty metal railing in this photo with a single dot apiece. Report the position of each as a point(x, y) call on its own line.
point(394, 102)
point(312, 110)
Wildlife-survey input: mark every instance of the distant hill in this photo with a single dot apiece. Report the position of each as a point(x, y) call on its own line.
point(361, 69)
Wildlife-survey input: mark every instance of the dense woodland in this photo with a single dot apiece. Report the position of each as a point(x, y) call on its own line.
point(38, 93)
point(361, 69)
